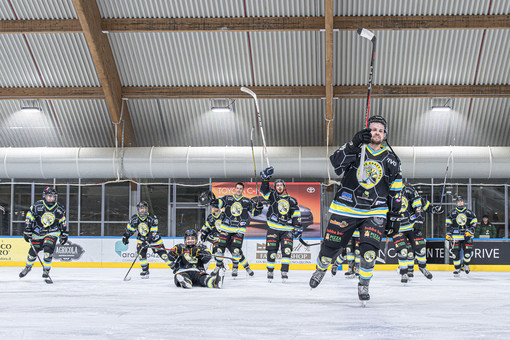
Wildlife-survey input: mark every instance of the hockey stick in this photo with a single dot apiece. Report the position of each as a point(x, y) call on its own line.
point(254, 166)
point(303, 242)
point(437, 209)
point(364, 33)
point(48, 280)
point(126, 278)
point(251, 93)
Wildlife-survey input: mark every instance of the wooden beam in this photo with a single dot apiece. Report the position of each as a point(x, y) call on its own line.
point(263, 92)
point(253, 24)
point(101, 52)
point(328, 6)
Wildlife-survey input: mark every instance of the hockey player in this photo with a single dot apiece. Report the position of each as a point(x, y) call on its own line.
point(401, 229)
point(147, 226)
point(420, 244)
point(362, 201)
point(283, 222)
point(233, 227)
point(460, 230)
point(189, 261)
point(45, 223)
point(210, 232)
point(352, 255)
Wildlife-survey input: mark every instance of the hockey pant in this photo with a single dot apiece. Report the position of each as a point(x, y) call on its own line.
point(46, 244)
point(197, 278)
point(278, 239)
point(467, 247)
point(338, 233)
point(406, 247)
point(159, 249)
point(233, 242)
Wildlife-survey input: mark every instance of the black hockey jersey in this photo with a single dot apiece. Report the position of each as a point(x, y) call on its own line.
point(373, 194)
point(212, 224)
point(43, 220)
point(237, 210)
point(283, 212)
point(459, 221)
point(147, 228)
point(189, 258)
point(411, 207)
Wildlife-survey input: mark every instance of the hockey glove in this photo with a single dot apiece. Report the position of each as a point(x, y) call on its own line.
point(155, 237)
point(203, 236)
point(298, 232)
point(437, 210)
point(125, 239)
point(63, 238)
point(144, 244)
point(362, 137)
point(468, 236)
point(27, 235)
point(449, 237)
point(267, 173)
point(206, 198)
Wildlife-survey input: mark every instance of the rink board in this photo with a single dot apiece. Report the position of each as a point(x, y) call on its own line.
point(109, 252)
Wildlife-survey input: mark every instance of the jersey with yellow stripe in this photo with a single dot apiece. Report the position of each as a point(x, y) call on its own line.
point(145, 226)
point(213, 223)
point(43, 219)
point(283, 212)
point(460, 220)
point(410, 207)
point(372, 194)
point(188, 258)
point(237, 211)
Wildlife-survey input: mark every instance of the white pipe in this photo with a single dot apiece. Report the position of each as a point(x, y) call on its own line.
point(236, 162)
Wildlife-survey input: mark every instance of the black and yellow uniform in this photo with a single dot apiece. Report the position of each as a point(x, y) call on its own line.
point(209, 231)
point(361, 204)
point(420, 244)
point(403, 235)
point(460, 230)
point(189, 266)
point(283, 218)
point(233, 227)
point(44, 224)
point(148, 235)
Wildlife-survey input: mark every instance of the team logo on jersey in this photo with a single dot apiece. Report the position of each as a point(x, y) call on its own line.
point(372, 176)
point(217, 224)
point(461, 219)
point(236, 209)
point(190, 259)
point(404, 204)
point(283, 207)
point(369, 256)
point(47, 219)
point(143, 229)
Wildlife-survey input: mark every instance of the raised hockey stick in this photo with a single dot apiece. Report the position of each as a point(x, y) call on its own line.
point(254, 166)
point(438, 209)
point(259, 118)
point(48, 280)
point(364, 33)
point(126, 278)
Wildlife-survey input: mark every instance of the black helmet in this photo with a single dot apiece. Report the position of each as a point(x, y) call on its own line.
point(142, 204)
point(49, 191)
point(379, 119)
point(279, 181)
point(190, 233)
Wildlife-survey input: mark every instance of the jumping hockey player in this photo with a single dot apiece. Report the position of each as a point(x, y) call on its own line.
point(283, 223)
point(362, 201)
point(233, 227)
point(45, 223)
point(352, 255)
point(460, 230)
point(210, 232)
point(148, 236)
point(189, 261)
point(400, 228)
point(420, 244)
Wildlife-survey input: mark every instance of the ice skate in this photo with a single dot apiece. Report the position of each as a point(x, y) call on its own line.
point(404, 278)
point(270, 276)
point(350, 274)
point(285, 277)
point(249, 271)
point(456, 272)
point(363, 294)
point(410, 275)
point(218, 281)
point(426, 272)
point(217, 269)
point(316, 278)
point(234, 272)
point(334, 268)
point(46, 275)
point(466, 268)
point(144, 274)
point(184, 281)
point(25, 271)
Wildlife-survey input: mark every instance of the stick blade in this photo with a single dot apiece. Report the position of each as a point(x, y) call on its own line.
point(364, 33)
point(250, 92)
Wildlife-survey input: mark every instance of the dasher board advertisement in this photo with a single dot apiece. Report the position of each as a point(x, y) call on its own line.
point(308, 195)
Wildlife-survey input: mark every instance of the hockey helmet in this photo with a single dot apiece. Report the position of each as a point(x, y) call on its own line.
point(460, 201)
point(49, 191)
point(279, 181)
point(379, 119)
point(143, 208)
point(190, 233)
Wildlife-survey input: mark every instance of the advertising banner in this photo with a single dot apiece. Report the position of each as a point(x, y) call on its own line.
point(308, 195)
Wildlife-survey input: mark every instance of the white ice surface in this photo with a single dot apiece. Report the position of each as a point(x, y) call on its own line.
point(98, 304)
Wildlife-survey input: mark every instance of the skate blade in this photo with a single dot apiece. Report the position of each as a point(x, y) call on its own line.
point(363, 304)
point(145, 277)
point(350, 276)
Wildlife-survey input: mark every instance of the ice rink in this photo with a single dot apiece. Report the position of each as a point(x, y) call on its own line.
point(86, 303)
